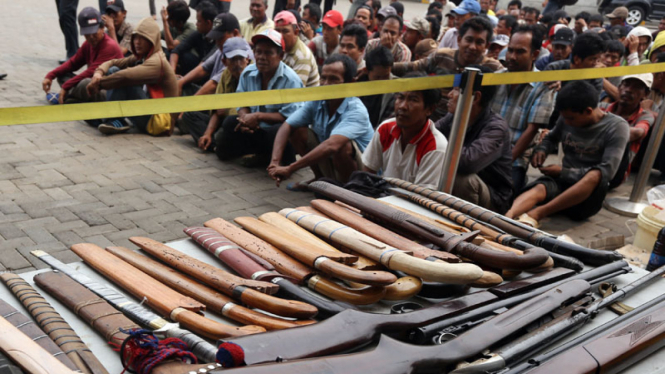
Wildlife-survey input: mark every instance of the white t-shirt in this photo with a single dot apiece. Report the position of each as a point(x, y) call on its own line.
point(420, 163)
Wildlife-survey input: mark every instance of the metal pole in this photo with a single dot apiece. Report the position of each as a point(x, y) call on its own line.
point(634, 205)
point(458, 131)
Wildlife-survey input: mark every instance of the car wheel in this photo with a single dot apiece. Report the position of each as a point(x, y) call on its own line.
point(636, 15)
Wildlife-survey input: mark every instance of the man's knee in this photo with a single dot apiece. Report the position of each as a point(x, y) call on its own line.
point(593, 177)
point(466, 183)
point(344, 155)
point(299, 139)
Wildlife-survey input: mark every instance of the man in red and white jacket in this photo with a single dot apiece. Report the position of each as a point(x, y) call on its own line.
point(409, 146)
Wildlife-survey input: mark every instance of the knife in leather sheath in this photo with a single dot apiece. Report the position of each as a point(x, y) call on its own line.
point(156, 295)
point(104, 318)
point(54, 325)
point(28, 328)
point(214, 301)
point(289, 266)
point(232, 255)
point(303, 252)
point(138, 313)
point(225, 282)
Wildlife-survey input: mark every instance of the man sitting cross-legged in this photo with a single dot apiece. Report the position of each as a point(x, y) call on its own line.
point(340, 130)
point(409, 146)
point(593, 144)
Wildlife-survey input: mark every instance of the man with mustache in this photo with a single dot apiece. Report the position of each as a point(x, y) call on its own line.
point(525, 107)
point(409, 146)
point(632, 90)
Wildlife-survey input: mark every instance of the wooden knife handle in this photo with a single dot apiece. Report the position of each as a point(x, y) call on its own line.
point(359, 296)
point(341, 271)
point(211, 329)
point(282, 307)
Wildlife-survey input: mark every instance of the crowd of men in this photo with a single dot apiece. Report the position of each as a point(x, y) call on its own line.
point(601, 125)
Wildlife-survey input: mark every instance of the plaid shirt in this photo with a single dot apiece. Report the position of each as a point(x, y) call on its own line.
point(521, 105)
point(401, 53)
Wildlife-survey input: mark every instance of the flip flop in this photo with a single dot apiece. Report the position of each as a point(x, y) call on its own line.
point(528, 220)
point(298, 187)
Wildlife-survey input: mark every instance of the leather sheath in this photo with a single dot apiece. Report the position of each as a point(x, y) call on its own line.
point(7, 367)
point(230, 254)
point(214, 301)
point(54, 325)
point(32, 331)
point(225, 282)
point(377, 232)
point(103, 317)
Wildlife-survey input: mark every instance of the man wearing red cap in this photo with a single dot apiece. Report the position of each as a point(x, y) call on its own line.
point(296, 54)
point(327, 44)
point(258, 22)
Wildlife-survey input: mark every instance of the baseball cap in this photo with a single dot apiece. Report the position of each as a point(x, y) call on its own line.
point(333, 18)
point(646, 78)
point(286, 17)
point(563, 37)
point(115, 5)
point(619, 31)
point(425, 47)
point(89, 20)
point(387, 11)
point(271, 35)
point(223, 22)
point(467, 6)
point(620, 12)
point(236, 46)
point(500, 39)
point(418, 24)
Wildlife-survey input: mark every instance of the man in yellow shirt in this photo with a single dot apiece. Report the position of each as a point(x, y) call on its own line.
point(258, 22)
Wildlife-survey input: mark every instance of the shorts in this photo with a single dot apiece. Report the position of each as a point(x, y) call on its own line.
point(586, 209)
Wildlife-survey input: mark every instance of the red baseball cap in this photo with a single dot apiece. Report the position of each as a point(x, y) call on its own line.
point(286, 17)
point(333, 18)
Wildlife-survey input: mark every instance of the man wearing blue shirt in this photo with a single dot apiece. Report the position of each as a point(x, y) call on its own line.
point(330, 135)
point(253, 131)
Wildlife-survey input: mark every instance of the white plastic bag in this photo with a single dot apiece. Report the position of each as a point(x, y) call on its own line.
point(656, 196)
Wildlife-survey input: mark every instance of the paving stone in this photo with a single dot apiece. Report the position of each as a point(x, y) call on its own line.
point(95, 230)
point(68, 238)
point(10, 231)
point(12, 259)
point(39, 235)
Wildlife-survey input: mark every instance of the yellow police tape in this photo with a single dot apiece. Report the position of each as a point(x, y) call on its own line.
point(112, 109)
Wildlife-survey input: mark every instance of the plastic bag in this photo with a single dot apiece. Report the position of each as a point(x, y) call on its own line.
point(656, 196)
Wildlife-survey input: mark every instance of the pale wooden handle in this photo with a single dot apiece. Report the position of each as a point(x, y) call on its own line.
point(26, 353)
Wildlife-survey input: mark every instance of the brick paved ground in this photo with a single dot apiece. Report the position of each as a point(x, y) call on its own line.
point(65, 183)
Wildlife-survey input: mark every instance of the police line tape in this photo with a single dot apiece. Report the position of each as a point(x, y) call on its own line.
point(113, 109)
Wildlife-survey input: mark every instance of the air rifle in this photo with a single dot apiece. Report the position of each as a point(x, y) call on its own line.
point(351, 328)
point(592, 257)
point(554, 330)
point(138, 313)
point(531, 258)
point(394, 357)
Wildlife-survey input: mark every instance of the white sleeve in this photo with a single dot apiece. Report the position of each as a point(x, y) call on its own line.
point(633, 59)
point(373, 155)
point(430, 169)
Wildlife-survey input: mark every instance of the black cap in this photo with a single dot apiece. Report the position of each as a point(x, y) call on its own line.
point(564, 36)
point(115, 5)
point(619, 31)
point(224, 22)
point(89, 20)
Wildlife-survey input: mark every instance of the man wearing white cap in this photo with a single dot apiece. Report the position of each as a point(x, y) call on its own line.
point(497, 44)
point(632, 90)
point(416, 30)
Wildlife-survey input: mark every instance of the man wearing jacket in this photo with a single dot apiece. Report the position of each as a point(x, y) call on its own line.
point(97, 49)
point(124, 78)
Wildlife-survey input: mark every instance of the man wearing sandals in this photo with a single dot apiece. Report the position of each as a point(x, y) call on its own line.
point(340, 131)
point(593, 143)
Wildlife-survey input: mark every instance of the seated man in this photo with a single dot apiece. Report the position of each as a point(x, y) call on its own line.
point(175, 25)
point(409, 146)
point(562, 46)
point(253, 131)
point(124, 78)
point(379, 65)
point(389, 37)
point(632, 90)
point(258, 22)
point(297, 56)
point(416, 30)
point(353, 43)
point(116, 25)
point(97, 49)
point(340, 131)
point(484, 170)
point(203, 128)
point(327, 43)
point(593, 143)
point(196, 47)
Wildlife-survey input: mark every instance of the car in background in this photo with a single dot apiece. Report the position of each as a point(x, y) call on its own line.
point(638, 10)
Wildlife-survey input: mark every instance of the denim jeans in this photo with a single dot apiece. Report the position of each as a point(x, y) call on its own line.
point(129, 93)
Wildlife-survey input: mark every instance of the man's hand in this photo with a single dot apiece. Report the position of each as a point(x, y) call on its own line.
point(93, 86)
point(632, 42)
point(306, 29)
point(551, 170)
point(279, 173)
point(61, 97)
point(556, 85)
point(248, 122)
point(108, 23)
point(647, 104)
point(538, 159)
point(46, 85)
point(164, 14)
point(205, 141)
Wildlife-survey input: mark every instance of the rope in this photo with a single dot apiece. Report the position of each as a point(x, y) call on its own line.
point(142, 351)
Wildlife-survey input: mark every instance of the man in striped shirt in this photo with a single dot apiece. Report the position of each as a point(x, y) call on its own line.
point(297, 56)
